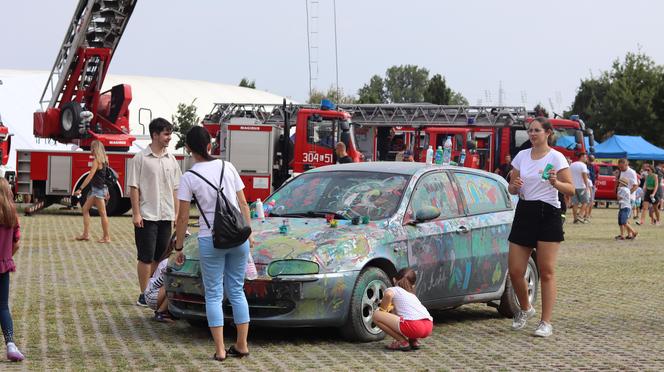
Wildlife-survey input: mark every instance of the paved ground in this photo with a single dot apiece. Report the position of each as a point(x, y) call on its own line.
point(73, 309)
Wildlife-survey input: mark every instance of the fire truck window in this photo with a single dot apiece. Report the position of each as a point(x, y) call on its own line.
point(321, 133)
point(520, 136)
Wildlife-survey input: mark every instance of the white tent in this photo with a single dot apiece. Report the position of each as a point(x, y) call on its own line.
point(21, 90)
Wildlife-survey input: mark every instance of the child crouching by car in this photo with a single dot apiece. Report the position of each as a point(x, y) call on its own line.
point(155, 292)
point(409, 320)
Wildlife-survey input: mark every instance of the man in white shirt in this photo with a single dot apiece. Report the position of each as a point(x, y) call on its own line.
point(630, 175)
point(581, 196)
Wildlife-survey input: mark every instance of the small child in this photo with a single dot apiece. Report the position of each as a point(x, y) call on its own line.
point(409, 320)
point(637, 202)
point(623, 213)
point(10, 234)
point(155, 293)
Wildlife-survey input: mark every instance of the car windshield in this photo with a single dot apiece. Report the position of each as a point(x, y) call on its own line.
point(346, 194)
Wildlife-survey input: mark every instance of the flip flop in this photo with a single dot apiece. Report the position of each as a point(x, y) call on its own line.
point(232, 351)
point(218, 358)
point(82, 238)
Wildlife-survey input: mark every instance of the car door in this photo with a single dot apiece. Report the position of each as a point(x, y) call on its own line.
point(437, 249)
point(489, 215)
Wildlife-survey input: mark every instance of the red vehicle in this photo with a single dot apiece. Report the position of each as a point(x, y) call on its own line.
point(75, 111)
point(606, 182)
point(5, 147)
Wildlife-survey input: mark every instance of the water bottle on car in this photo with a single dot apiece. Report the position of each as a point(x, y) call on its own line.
point(447, 152)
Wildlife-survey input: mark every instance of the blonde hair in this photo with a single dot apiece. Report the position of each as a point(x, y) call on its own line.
point(8, 216)
point(98, 151)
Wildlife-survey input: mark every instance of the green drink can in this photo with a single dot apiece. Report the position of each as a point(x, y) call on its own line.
point(545, 172)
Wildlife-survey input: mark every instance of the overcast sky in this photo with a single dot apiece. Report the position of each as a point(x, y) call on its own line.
point(538, 50)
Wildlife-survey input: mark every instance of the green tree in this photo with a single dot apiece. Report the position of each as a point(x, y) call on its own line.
point(437, 92)
point(334, 95)
point(373, 91)
point(184, 119)
point(541, 111)
point(626, 99)
point(406, 83)
point(248, 84)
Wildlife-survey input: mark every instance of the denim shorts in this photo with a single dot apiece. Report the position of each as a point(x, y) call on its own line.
point(623, 216)
point(581, 196)
point(99, 193)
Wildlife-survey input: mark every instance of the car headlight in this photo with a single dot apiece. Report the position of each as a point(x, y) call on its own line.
point(292, 267)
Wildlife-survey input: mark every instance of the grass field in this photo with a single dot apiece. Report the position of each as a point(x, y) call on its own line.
point(73, 307)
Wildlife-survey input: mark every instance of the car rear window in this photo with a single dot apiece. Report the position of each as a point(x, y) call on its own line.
point(482, 194)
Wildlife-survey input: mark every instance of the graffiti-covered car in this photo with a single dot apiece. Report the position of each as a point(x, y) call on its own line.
point(448, 223)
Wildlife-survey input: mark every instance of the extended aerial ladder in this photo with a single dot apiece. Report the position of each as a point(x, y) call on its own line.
point(390, 115)
point(74, 84)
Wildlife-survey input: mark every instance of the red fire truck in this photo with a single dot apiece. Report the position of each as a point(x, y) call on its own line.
point(75, 111)
point(5, 147)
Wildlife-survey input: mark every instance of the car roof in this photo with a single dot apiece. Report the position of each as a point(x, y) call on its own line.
point(396, 167)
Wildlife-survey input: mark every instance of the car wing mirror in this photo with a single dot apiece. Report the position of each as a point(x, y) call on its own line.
point(425, 214)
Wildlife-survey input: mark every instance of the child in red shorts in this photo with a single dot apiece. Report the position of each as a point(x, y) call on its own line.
point(409, 320)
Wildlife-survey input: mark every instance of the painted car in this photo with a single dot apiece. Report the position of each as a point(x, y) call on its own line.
point(448, 223)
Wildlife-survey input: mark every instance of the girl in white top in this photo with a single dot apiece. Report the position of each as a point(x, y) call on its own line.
point(408, 320)
point(537, 220)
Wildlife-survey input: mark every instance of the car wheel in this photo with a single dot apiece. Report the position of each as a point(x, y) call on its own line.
point(367, 294)
point(509, 303)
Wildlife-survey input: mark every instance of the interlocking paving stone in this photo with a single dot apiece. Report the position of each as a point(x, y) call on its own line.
point(73, 308)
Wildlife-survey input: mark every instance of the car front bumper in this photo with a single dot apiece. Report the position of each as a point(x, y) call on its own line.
point(289, 301)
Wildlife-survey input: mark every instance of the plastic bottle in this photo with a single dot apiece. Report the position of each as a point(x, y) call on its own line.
point(430, 155)
point(260, 213)
point(447, 153)
point(439, 155)
point(462, 158)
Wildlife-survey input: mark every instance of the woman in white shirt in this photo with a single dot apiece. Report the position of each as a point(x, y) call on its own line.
point(222, 269)
point(537, 220)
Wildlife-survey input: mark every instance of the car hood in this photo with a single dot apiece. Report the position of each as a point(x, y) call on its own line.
point(333, 249)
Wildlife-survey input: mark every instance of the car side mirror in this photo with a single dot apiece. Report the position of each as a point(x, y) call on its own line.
point(427, 213)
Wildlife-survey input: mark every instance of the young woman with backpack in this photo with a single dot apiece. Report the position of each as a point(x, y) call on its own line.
point(221, 267)
point(98, 192)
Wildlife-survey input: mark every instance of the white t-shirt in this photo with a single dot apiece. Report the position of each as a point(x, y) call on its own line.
point(630, 175)
point(407, 305)
point(192, 185)
point(530, 171)
point(623, 197)
point(578, 168)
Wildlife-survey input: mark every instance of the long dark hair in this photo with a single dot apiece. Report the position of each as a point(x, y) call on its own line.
point(546, 125)
point(198, 140)
point(406, 279)
point(8, 216)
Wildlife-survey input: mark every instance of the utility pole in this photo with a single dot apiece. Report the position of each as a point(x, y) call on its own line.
point(336, 52)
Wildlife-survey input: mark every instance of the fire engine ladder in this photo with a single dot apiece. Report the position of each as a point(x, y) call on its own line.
point(95, 24)
point(415, 115)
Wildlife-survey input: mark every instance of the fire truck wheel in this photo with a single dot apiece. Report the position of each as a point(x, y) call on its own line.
point(70, 118)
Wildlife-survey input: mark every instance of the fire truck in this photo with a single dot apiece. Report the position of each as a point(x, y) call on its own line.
point(75, 111)
point(5, 147)
point(268, 143)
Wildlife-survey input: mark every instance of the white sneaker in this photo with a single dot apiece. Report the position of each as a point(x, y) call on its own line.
point(13, 354)
point(544, 329)
point(521, 318)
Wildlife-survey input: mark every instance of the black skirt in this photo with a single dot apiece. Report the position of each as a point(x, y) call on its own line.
point(534, 221)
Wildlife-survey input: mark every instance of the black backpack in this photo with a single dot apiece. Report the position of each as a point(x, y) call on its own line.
point(111, 176)
point(229, 226)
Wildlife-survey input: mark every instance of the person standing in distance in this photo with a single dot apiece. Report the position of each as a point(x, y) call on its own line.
point(632, 179)
point(342, 155)
point(581, 198)
point(537, 220)
point(153, 178)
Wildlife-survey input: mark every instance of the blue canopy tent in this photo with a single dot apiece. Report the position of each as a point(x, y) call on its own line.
point(569, 142)
point(630, 147)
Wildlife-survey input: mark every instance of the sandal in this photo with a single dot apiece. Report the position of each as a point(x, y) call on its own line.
point(218, 358)
point(619, 237)
point(232, 351)
point(82, 238)
point(414, 343)
point(162, 317)
point(396, 345)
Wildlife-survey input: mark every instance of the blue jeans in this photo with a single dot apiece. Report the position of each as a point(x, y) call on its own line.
point(5, 315)
point(224, 268)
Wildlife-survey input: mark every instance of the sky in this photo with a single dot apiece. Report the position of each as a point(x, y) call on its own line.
point(537, 51)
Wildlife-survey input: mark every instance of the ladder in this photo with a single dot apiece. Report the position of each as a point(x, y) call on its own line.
point(95, 24)
point(415, 115)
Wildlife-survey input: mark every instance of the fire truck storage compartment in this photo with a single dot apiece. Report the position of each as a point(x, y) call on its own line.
point(23, 180)
point(59, 175)
point(250, 149)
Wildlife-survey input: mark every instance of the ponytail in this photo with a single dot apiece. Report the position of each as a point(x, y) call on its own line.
point(197, 140)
